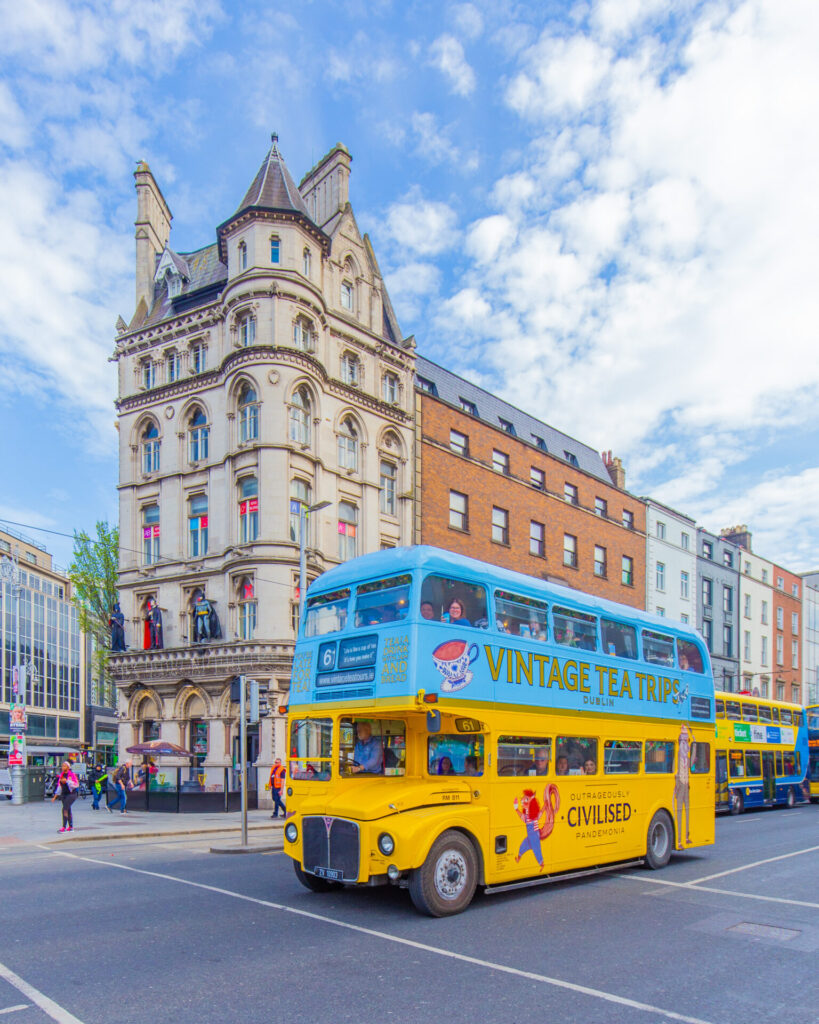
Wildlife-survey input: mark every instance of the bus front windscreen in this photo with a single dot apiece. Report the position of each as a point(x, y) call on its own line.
point(372, 746)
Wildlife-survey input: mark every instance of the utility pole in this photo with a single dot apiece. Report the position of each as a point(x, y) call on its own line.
point(243, 755)
point(10, 572)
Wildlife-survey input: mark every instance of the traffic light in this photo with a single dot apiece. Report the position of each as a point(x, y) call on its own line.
point(236, 689)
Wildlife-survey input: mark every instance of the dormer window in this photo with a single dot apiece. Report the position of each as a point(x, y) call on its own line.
point(247, 330)
point(346, 295)
point(174, 284)
point(275, 249)
point(350, 369)
point(304, 336)
point(242, 256)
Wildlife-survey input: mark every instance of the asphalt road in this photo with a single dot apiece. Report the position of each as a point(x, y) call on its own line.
point(164, 931)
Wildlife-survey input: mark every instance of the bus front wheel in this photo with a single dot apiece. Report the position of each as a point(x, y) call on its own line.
point(313, 882)
point(659, 841)
point(445, 882)
point(737, 802)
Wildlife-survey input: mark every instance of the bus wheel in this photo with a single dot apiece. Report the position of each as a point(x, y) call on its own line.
point(791, 801)
point(445, 882)
point(737, 802)
point(313, 882)
point(659, 842)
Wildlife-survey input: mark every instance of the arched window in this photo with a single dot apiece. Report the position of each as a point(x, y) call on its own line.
point(348, 445)
point(248, 414)
point(242, 256)
point(247, 609)
point(301, 409)
point(150, 449)
point(388, 479)
point(307, 258)
point(198, 436)
point(347, 530)
point(300, 496)
point(150, 534)
point(350, 369)
point(247, 330)
point(248, 509)
point(275, 248)
point(197, 525)
point(347, 295)
point(304, 336)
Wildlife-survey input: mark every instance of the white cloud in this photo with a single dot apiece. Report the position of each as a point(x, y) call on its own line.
point(468, 20)
point(447, 55)
point(13, 128)
point(421, 225)
point(561, 76)
point(411, 286)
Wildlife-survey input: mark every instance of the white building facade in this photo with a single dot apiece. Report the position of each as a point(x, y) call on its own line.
point(671, 563)
point(261, 374)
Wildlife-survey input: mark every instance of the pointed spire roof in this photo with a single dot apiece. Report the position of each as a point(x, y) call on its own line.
point(273, 190)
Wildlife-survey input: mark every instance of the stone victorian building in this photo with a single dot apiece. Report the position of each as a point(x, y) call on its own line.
point(259, 374)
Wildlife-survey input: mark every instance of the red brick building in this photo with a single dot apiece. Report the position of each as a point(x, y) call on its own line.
point(499, 485)
point(787, 635)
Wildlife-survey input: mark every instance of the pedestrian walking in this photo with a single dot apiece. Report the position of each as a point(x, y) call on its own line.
point(98, 780)
point(122, 783)
point(66, 788)
point(277, 775)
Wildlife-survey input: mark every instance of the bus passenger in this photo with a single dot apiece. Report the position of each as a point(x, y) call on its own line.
point(427, 611)
point(445, 766)
point(589, 767)
point(541, 761)
point(367, 754)
point(562, 766)
point(455, 613)
point(471, 765)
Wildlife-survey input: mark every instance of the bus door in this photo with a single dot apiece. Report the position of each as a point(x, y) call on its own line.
point(722, 779)
point(768, 777)
point(523, 806)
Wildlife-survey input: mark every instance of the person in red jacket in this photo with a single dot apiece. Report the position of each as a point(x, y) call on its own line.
point(277, 774)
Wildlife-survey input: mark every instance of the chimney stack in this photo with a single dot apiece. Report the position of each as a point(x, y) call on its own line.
point(616, 471)
point(739, 535)
point(153, 229)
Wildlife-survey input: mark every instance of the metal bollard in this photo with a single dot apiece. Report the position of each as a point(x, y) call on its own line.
point(16, 784)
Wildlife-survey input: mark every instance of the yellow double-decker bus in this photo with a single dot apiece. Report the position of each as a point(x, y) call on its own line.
point(761, 752)
point(454, 725)
point(812, 722)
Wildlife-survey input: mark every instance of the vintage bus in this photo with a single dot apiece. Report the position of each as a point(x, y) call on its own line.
point(761, 752)
point(812, 722)
point(452, 725)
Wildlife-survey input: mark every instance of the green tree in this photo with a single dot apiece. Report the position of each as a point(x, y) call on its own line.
point(93, 575)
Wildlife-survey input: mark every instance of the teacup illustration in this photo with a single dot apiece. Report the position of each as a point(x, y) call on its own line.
point(452, 659)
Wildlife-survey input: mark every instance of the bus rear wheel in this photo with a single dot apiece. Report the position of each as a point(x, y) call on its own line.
point(313, 882)
point(659, 841)
point(737, 802)
point(445, 882)
point(791, 799)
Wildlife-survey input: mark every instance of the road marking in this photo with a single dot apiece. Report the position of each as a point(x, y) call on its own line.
point(595, 993)
point(54, 1010)
point(721, 892)
point(14, 1009)
point(755, 864)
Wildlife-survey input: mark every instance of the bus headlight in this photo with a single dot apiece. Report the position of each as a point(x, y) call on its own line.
point(386, 843)
point(291, 833)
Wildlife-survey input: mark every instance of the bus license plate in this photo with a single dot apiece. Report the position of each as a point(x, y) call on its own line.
point(332, 873)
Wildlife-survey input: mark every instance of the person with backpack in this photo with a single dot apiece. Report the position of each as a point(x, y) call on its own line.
point(66, 788)
point(98, 780)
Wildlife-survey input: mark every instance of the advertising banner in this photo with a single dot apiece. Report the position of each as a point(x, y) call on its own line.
point(17, 750)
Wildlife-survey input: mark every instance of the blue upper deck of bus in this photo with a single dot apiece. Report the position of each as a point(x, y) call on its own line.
point(377, 627)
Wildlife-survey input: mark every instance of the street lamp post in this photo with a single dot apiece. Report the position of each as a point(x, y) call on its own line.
point(10, 572)
point(304, 515)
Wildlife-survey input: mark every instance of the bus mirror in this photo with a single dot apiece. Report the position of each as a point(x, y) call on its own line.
point(434, 720)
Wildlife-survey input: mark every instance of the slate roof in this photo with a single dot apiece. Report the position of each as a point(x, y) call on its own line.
point(207, 275)
point(454, 390)
point(273, 188)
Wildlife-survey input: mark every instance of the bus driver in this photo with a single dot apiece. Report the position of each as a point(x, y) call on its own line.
point(367, 754)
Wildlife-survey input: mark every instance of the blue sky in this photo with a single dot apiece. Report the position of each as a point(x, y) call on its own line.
point(605, 212)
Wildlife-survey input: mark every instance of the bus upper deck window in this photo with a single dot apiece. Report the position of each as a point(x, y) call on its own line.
point(749, 713)
point(689, 656)
point(326, 613)
point(764, 713)
point(575, 629)
point(382, 601)
point(521, 616)
point(732, 710)
point(719, 706)
point(775, 715)
point(619, 639)
point(785, 715)
point(454, 601)
point(658, 649)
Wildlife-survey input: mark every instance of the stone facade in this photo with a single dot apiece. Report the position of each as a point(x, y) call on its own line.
point(260, 371)
point(718, 596)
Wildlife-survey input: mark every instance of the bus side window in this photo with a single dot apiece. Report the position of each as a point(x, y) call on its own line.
point(700, 758)
point(524, 755)
point(791, 762)
point(753, 764)
point(576, 755)
point(575, 629)
point(658, 649)
point(764, 713)
point(689, 656)
point(454, 601)
point(619, 639)
point(520, 616)
point(779, 762)
point(785, 714)
point(659, 757)
point(749, 713)
point(622, 757)
point(732, 711)
point(737, 764)
point(719, 706)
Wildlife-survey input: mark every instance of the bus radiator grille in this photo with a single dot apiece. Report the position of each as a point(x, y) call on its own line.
point(331, 843)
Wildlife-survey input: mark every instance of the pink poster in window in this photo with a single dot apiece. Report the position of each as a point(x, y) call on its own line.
point(242, 508)
point(203, 522)
point(342, 527)
point(253, 505)
point(146, 533)
point(156, 530)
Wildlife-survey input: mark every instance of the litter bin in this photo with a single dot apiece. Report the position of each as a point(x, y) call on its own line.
point(33, 783)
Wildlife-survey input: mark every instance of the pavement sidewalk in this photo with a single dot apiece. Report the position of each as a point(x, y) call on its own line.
point(39, 822)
